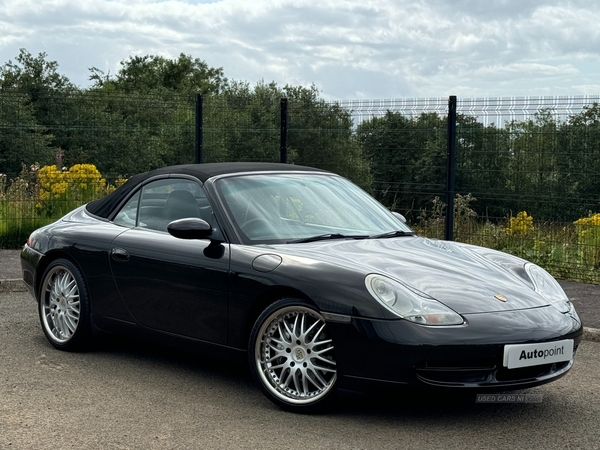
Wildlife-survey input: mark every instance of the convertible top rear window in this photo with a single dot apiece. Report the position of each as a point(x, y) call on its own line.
point(104, 206)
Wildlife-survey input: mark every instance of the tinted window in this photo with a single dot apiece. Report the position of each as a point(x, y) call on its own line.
point(160, 202)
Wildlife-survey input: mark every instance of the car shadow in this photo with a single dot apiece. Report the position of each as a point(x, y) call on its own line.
point(234, 377)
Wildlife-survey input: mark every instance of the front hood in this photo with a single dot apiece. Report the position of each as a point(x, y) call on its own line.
point(464, 277)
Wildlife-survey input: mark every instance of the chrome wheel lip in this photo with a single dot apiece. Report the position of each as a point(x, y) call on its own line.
point(309, 356)
point(60, 306)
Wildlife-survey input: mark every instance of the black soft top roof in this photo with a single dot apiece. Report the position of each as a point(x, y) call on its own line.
point(104, 206)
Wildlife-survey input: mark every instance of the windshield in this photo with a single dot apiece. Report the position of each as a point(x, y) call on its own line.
point(278, 208)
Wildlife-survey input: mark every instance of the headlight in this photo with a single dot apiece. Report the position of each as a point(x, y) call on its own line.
point(545, 285)
point(408, 304)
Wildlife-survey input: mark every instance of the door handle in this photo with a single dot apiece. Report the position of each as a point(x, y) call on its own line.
point(119, 254)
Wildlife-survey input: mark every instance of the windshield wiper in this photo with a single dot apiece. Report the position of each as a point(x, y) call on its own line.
point(325, 237)
point(392, 234)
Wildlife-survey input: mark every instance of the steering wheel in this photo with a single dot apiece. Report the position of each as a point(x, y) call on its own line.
point(250, 227)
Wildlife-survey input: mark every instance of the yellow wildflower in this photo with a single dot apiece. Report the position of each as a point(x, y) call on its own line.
point(520, 225)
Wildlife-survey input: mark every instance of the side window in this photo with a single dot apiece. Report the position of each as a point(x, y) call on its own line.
point(128, 214)
point(163, 201)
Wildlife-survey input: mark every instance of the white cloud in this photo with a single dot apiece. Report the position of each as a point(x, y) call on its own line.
point(349, 48)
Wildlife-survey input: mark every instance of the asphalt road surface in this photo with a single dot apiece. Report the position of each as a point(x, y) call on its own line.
point(128, 395)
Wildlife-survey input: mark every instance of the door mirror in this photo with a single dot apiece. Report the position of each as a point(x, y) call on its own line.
point(190, 228)
point(399, 216)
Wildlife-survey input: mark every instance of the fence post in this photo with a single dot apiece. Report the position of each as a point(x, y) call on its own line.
point(450, 174)
point(283, 131)
point(198, 140)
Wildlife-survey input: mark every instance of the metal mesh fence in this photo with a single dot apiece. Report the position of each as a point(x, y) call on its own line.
point(404, 142)
point(43, 135)
point(532, 165)
point(526, 173)
point(526, 168)
point(240, 128)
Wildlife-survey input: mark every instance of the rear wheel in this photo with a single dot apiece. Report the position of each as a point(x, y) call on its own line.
point(292, 356)
point(64, 308)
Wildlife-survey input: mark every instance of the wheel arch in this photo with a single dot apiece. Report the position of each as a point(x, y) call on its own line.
point(267, 298)
point(48, 259)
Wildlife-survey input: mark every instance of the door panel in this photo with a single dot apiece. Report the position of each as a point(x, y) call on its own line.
point(171, 284)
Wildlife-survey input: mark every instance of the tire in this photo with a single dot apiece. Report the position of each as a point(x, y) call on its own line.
point(64, 306)
point(292, 357)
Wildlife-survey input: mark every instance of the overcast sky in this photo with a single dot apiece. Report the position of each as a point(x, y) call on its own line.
point(350, 49)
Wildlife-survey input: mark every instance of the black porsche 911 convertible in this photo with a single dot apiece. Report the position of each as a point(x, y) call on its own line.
point(317, 282)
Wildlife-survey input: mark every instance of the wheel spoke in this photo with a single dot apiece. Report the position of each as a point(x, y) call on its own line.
point(60, 325)
point(277, 341)
point(323, 350)
point(288, 378)
point(324, 369)
point(278, 353)
point(278, 366)
point(73, 307)
point(71, 289)
point(305, 380)
point(297, 382)
point(283, 334)
point(319, 378)
point(61, 281)
point(71, 322)
point(289, 330)
point(301, 326)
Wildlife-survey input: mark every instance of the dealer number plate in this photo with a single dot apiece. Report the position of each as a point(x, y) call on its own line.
point(526, 355)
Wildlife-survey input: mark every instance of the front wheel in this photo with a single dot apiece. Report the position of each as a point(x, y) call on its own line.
point(64, 306)
point(292, 356)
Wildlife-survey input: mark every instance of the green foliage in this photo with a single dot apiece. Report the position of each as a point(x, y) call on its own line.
point(243, 124)
point(18, 215)
point(145, 74)
point(321, 135)
point(407, 156)
point(142, 118)
point(130, 134)
point(33, 76)
point(39, 96)
point(40, 196)
point(22, 140)
point(588, 238)
point(431, 222)
point(483, 154)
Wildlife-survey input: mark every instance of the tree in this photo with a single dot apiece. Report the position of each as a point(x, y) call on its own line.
point(146, 110)
point(32, 108)
point(535, 183)
point(22, 141)
point(321, 134)
point(33, 76)
point(243, 124)
point(44, 87)
point(578, 162)
point(482, 168)
point(152, 74)
point(408, 158)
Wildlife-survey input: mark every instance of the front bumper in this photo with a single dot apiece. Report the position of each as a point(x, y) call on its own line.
point(381, 353)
